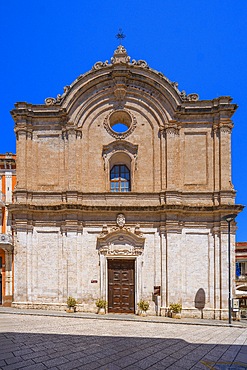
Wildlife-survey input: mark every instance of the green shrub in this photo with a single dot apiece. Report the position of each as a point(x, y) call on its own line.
point(101, 303)
point(175, 307)
point(71, 302)
point(143, 305)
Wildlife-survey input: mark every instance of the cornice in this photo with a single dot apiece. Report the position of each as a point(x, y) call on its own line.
point(220, 107)
point(30, 115)
point(73, 207)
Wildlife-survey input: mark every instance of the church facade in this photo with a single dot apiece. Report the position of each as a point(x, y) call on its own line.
point(122, 184)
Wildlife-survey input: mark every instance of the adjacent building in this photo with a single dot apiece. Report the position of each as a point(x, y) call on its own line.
point(123, 183)
point(241, 276)
point(7, 184)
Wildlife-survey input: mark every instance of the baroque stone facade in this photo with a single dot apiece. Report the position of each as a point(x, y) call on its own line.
point(124, 214)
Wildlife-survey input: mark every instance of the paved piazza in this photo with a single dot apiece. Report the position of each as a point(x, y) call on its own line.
point(45, 342)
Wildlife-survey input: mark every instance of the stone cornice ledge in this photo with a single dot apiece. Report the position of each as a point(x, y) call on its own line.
point(224, 209)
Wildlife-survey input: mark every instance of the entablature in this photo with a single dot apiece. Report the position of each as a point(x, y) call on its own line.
point(109, 199)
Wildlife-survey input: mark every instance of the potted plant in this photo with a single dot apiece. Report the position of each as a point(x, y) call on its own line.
point(71, 303)
point(175, 309)
point(143, 307)
point(101, 304)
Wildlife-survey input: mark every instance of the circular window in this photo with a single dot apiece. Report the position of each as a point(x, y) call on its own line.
point(120, 123)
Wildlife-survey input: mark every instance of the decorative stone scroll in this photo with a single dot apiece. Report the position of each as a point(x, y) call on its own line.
point(189, 97)
point(120, 56)
point(192, 97)
point(59, 98)
point(50, 101)
point(99, 65)
point(141, 63)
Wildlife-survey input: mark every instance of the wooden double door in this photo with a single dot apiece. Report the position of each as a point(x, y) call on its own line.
point(121, 286)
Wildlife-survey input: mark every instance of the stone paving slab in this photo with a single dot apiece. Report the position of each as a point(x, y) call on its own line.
point(52, 342)
point(121, 317)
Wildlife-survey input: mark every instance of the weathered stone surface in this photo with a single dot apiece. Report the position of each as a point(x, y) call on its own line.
point(178, 151)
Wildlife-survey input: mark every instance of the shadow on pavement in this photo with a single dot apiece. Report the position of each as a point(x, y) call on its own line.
point(64, 352)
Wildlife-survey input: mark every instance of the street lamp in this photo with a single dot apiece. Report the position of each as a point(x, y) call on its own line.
point(229, 219)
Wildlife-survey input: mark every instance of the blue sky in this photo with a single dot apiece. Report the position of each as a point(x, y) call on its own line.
point(200, 44)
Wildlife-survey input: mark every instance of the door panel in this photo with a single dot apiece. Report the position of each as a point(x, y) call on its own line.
point(121, 286)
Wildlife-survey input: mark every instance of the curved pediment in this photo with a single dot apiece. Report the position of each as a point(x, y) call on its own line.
point(119, 83)
point(120, 241)
point(122, 145)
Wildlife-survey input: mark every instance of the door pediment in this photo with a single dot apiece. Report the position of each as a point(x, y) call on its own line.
point(120, 242)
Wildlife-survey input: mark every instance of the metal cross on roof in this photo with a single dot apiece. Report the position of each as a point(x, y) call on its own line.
point(120, 35)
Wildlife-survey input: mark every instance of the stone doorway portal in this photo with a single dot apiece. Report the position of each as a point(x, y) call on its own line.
point(121, 286)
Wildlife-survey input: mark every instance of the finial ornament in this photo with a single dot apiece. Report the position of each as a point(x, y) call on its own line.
point(120, 36)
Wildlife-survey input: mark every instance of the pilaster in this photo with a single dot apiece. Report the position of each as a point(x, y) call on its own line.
point(225, 155)
point(71, 135)
point(217, 272)
point(172, 156)
point(163, 267)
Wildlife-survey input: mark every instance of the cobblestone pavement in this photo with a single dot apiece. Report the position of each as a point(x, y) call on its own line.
point(53, 342)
